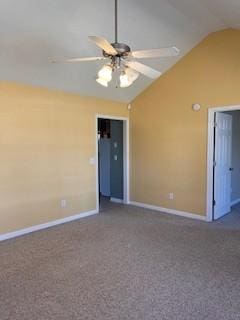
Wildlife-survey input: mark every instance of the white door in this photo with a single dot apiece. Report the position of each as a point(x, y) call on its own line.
point(222, 170)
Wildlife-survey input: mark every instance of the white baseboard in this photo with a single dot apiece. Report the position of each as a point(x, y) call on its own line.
point(38, 227)
point(233, 203)
point(170, 211)
point(116, 200)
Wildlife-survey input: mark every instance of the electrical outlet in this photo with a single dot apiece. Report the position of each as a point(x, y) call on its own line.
point(63, 203)
point(171, 196)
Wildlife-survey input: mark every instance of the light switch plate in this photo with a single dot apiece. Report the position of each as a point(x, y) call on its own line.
point(63, 203)
point(92, 161)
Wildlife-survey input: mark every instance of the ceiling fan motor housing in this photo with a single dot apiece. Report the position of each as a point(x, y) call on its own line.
point(121, 48)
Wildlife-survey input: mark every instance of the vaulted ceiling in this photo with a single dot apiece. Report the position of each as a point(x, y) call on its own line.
point(33, 32)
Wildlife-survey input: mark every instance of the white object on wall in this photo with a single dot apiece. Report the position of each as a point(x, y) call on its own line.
point(196, 107)
point(92, 161)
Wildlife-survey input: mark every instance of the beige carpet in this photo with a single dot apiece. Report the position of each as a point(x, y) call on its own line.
point(126, 263)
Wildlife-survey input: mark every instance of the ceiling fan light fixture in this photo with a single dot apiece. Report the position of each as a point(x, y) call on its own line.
point(105, 73)
point(123, 59)
point(125, 81)
point(102, 81)
point(132, 74)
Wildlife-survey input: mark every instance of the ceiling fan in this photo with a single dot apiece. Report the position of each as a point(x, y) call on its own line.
point(120, 58)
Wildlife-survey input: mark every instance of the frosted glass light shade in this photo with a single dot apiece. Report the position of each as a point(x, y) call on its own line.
point(125, 81)
point(132, 74)
point(102, 81)
point(105, 73)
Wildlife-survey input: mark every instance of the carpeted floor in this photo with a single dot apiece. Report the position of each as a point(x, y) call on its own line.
point(126, 263)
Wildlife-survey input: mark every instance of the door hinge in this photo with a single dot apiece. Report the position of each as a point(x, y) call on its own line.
point(215, 124)
point(214, 202)
point(214, 163)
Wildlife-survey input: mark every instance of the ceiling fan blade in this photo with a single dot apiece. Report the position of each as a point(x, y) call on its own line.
point(104, 45)
point(80, 59)
point(156, 53)
point(142, 68)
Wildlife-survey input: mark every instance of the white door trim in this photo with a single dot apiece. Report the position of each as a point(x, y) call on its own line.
point(210, 151)
point(125, 156)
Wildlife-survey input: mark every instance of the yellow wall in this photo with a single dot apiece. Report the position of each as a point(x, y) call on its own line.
point(169, 140)
point(46, 140)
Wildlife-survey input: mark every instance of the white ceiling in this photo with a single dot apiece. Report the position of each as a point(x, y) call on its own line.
point(33, 32)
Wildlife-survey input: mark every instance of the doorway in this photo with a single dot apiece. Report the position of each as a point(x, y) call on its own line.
point(112, 159)
point(223, 180)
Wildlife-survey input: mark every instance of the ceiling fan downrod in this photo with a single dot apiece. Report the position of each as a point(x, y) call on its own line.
point(116, 21)
point(122, 49)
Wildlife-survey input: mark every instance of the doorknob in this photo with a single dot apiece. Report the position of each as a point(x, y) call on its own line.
point(231, 169)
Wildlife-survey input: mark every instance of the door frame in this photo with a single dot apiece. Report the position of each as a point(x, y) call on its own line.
point(210, 155)
point(126, 171)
